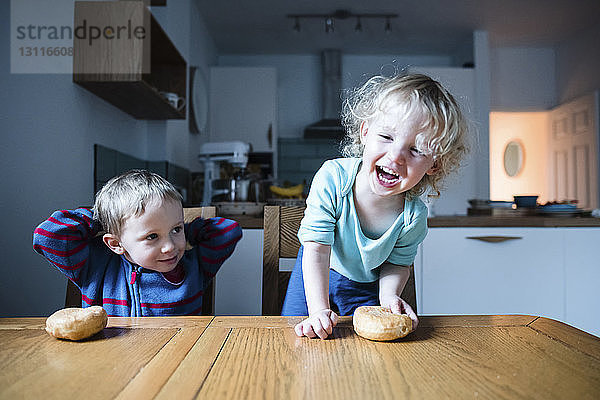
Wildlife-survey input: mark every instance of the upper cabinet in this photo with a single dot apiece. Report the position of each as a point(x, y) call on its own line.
point(123, 56)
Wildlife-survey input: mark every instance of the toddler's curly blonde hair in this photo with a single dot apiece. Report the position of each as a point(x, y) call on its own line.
point(444, 129)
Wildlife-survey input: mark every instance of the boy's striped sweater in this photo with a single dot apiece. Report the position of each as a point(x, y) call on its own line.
point(69, 241)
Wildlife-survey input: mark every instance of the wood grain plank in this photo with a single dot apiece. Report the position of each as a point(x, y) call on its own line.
point(148, 382)
point(36, 365)
point(254, 364)
point(266, 322)
point(290, 224)
point(191, 213)
point(160, 322)
point(187, 380)
point(486, 362)
point(23, 323)
point(117, 322)
point(254, 322)
point(580, 340)
point(474, 320)
point(270, 288)
point(454, 362)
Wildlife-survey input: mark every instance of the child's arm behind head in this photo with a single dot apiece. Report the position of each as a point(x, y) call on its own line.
point(214, 239)
point(64, 238)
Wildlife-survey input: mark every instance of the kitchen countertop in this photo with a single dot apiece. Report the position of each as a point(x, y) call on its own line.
point(509, 221)
point(254, 357)
point(247, 221)
point(256, 222)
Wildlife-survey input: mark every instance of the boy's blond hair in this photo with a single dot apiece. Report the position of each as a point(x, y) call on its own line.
point(127, 195)
point(444, 129)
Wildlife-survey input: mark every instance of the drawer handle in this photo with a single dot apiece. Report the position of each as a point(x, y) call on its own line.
point(494, 239)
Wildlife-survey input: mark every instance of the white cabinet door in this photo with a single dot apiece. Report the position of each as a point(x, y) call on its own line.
point(582, 280)
point(459, 274)
point(243, 106)
point(238, 284)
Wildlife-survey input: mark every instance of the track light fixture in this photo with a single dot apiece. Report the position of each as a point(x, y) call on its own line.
point(342, 15)
point(329, 25)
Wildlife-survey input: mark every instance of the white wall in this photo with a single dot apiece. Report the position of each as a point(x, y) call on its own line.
point(578, 65)
point(540, 78)
point(49, 126)
point(299, 80)
point(523, 79)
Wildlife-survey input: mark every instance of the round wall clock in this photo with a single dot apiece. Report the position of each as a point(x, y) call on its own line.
point(199, 97)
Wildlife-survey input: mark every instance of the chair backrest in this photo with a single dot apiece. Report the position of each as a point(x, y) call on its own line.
point(73, 296)
point(281, 224)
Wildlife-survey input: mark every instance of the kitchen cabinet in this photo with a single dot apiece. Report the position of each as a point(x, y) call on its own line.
point(553, 272)
point(238, 284)
point(243, 106)
point(130, 73)
point(462, 273)
point(582, 278)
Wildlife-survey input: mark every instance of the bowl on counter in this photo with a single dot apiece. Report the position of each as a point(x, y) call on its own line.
point(559, 210)
point(501, 204)
point(526, 201)
point(479, 203)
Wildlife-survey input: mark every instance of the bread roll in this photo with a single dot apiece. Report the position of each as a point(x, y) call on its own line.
point(379, 323)
point(76, 323)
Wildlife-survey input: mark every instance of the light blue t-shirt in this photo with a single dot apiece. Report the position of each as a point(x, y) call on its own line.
point(331, 219)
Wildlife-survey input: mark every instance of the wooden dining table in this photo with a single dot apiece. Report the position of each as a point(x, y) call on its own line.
point(456, 357)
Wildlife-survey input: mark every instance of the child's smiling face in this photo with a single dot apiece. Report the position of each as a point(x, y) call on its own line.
point(391, 160)
point(155, 239)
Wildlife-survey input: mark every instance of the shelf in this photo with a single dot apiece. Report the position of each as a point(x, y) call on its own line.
point(129, 74)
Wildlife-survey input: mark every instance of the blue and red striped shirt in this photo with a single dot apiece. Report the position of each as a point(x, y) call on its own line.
point(69, 240)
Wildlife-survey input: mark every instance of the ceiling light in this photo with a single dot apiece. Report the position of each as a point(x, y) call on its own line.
point(343, 15)
point(329, 25)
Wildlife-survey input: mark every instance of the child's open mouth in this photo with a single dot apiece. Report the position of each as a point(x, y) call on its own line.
point(386, 176)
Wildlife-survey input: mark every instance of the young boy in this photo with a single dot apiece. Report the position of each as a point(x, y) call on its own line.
point(129, 255)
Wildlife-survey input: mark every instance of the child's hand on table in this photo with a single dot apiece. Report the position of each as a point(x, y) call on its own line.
point(399, 306)
point(319, 324)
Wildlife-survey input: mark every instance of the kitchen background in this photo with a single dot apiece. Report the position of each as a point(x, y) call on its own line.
point(50, 125)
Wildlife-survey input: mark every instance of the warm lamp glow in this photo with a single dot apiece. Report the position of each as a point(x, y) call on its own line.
point(530, 129)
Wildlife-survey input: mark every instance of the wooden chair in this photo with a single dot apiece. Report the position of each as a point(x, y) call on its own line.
point(73, 296)
point(281, 224)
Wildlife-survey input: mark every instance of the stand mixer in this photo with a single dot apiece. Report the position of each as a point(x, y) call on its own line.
point(211, 155)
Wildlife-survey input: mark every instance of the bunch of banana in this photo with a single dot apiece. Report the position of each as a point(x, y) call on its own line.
point(292, 192)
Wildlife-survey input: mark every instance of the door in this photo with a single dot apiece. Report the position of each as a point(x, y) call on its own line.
point(573, 152)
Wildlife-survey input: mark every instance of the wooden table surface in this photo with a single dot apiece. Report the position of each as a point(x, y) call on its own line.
point(457, 357)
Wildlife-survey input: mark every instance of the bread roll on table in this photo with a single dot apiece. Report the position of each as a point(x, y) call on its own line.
point(76, 323)
point(379, 323)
